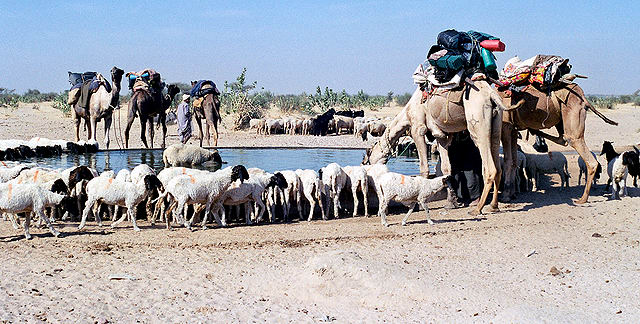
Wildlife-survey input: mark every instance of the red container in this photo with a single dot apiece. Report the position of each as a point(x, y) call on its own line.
point(494, 45)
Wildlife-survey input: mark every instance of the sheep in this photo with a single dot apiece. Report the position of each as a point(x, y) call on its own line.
point(619, 165)
point(545, 163)
point(343, 122)
point(334, 179)
point(188, 155)
point(257, 124)
point(377, 128)
point(28, 198)
point(358, 179)
point(7, 174)
point(292, 192)
point(374, 172)
point(120, 193)
point(360, 130)
point(312, 189)
point(307, 124)
point(248, 191)
point(583, 170)
point(205, 189)
point(521, 166)
point(297, 126)
point(408, 191)
point(123, 175)
point(273, 126)
point(165, 176)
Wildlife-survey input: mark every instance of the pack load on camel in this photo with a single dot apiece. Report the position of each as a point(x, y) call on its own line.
point(540, 71)
point(146, 79)
point(200, 89)
point(83, 85)
point(458, 55)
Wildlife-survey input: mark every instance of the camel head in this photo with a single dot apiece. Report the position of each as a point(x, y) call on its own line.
point(172, 91)
point(193, 83)
point(374, 155)
point(116, 75)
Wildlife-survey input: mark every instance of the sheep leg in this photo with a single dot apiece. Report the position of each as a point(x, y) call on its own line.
point(406, 217)
point(624, 186)
point(260, 209)
point(382, 210)
point(12, 218)
point(46, 220)
point(424, 206)
point(354, 191)
point(132, 213)
point(121, 219)
point(27, 221)
point(87, 208)
point(312, 202)
point(614, 190)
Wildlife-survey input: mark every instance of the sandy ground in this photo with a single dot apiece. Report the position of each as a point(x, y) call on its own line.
point(541, 259)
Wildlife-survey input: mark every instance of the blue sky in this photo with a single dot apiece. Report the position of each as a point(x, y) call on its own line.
point(291, 47)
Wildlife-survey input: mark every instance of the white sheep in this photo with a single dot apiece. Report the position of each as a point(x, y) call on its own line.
point(374, 172)
point(7, 174)
point(165, 176)
point(343, 122)
point(293, 192)
point(307, 124)
point(188, 155)
point(334, 179)
point(312, 189)
point(249, 191)
point(546, 163)
point(409, 191)
point(358, 180)
point(257, 124)
point(204, 189)
point(28, 198)
point(119, 193)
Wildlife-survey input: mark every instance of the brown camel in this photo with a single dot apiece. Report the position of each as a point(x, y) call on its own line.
point(148, 104)
point(479, 110)
point(210, 111)
point(565, 108)
point(101, 106)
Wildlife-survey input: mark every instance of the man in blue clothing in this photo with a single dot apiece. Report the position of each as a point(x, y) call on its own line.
point(184, 119)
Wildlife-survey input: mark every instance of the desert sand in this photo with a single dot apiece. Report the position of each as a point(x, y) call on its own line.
point(541, 259)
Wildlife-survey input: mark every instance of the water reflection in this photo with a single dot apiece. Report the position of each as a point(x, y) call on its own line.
point(270, 160)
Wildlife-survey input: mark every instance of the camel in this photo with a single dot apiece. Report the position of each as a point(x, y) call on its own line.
point(149, 103)
point(565, 108)
point(479, 111)
point(210, 111)
point(101, 106)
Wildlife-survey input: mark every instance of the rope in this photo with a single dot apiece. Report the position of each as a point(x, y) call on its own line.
point(446, 117)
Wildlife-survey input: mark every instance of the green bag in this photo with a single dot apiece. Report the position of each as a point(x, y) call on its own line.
point(488, 59)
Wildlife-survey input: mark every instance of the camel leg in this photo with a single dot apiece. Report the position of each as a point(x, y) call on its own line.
point(107, 131)
point(573, 118)
point(206, 132)
point(421, 146)
point(94, 126)
point(199, 122)
point(509, 145)
point(78, 122)
point(479, 123)
point(163, 122)
point(496, 131)
point(151, 130)
point(143, 131)
point(87, 123)
point(445, 166)
point(130, 120)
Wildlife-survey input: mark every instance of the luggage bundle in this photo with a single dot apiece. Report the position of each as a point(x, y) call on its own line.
point(145, 80)
point(90, 82)
point(541, 71)
point(201, 89)
point(459, 53)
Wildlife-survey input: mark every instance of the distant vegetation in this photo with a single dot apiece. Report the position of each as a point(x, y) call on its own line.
point(242, 98)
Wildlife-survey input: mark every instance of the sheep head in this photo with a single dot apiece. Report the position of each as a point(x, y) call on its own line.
point(214, 156)
point(151, 183)
point(632, 161)
point(239, 172)
point(59, 187)
point(78, 174)
point(67, 204)
point(277, 180)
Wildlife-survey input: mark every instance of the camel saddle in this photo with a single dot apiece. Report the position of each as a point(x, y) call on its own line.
point(527, 99)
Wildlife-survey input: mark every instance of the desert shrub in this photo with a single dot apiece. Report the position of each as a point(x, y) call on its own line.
point(60, 102)
point(237, 99)
point(8, 98)
point(403, 99)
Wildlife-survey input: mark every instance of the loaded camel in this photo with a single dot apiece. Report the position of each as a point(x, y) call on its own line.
point(563, 107)
point(477, 107)
point(148, 104)
point(209, 110)
point(101, 106)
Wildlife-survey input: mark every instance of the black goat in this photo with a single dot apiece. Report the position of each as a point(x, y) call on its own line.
point(320, 124)
point(540, 145)
point(351, 113)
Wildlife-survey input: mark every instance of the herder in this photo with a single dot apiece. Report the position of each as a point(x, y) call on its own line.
point(184, 119)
